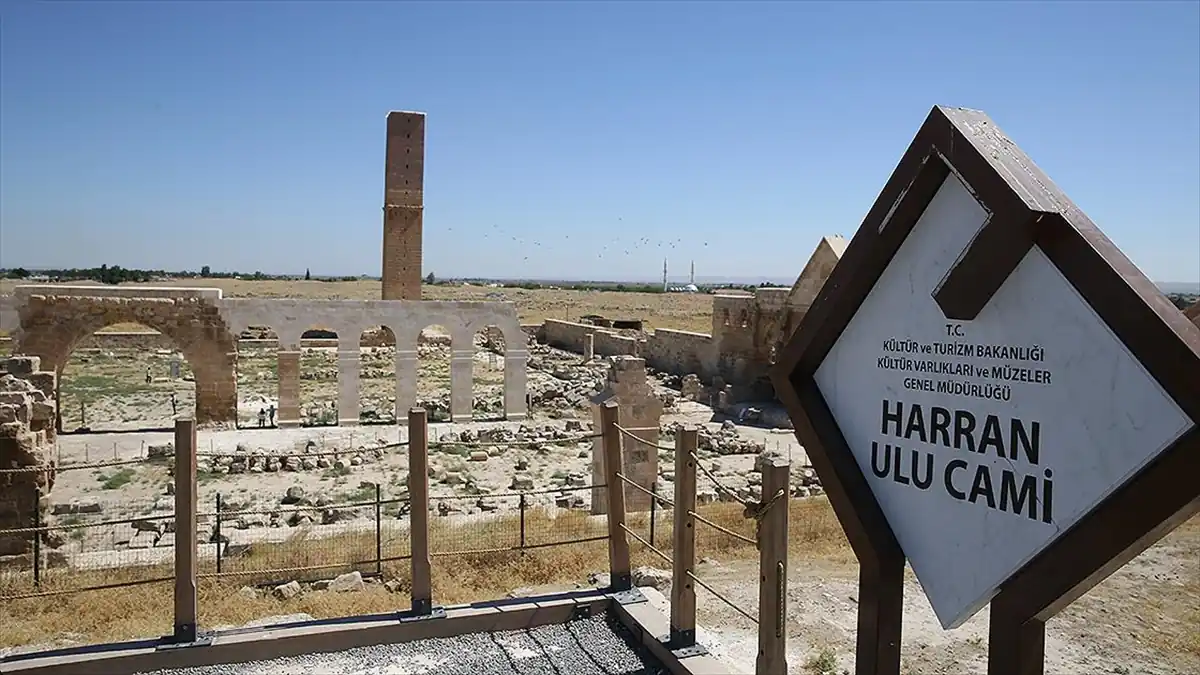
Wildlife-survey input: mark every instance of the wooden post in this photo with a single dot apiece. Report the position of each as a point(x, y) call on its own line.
point(683, 589)
point(772, 565)
point(1015, 647)
point(185, 531)
point(418, 512)
point(620, 575)
point(880, 613)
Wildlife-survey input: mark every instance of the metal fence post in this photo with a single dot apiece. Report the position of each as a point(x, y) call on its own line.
point(185, 531)
point(418, 492)
point(773, 552)
point(620, 574)
point(217, 533)
point(522, 506)
point(378, 531)
point(683, 588)
point(37, 537)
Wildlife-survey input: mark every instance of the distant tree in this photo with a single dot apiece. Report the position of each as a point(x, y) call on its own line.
point(430, 279)
point(18, 273)
point(307, 274)
point(205, 272)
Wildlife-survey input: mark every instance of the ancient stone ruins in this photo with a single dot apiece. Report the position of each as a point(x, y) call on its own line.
point(51, 321)
point(27, 433)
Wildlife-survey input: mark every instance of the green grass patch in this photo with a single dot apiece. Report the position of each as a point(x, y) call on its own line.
point(117, 480)
point(824, 662)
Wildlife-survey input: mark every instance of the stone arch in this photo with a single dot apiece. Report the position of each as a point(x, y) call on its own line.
point(257, 374)
point(320, 373)
point(515, 357)
point(434, 361)
point(52, 327)
point(377, 369)
point(489, 347)
point(514, 337)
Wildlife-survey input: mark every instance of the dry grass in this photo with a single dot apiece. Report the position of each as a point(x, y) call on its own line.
point(1176, 616)
point(680, 311)
point(145, 611)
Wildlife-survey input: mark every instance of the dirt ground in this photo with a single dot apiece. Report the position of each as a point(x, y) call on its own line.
point(1144, 619)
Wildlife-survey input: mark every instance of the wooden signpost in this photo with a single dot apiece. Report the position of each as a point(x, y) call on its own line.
point(989, 389)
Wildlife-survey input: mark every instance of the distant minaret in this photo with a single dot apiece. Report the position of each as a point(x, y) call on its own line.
point(665, 289)
point(692, 277)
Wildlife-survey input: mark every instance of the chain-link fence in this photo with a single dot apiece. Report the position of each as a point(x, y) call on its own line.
point(511, 522)
point(85, 550)
point(304, 540)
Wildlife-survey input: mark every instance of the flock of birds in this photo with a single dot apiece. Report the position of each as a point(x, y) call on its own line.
point(629, 248)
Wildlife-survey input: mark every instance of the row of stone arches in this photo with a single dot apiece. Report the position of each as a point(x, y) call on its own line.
point(125, 381)
point(328, 376)
point(199, 347)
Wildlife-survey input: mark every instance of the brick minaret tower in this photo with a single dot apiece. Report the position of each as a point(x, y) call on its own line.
point(403, 204)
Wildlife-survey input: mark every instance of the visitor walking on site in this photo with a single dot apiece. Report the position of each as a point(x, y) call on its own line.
point(271, 415)
point(262, 418)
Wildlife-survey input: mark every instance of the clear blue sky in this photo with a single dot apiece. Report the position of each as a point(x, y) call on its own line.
point(249, 136)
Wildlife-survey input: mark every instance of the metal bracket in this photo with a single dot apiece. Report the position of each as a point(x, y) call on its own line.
point(582, 612)
point(415, 615)
point(630, 597)
point(185, 636)
point(688, 638)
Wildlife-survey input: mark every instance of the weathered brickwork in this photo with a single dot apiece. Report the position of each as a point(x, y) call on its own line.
point(27, 422)
point(53, 326)
point(403, 205)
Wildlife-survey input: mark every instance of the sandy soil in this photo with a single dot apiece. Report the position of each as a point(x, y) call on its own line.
point(1137, 621)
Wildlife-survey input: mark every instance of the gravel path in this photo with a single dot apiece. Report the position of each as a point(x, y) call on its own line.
point(594, 646)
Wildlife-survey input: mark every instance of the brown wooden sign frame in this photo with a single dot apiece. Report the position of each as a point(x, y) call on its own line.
point(1026, 210)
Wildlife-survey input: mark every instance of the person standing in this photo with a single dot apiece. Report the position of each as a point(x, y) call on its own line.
point(262, 418)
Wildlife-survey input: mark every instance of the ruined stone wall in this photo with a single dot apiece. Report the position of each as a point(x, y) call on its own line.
point(812, 278)
point(572, 337)
point(680, 352)
point(566, 335)
point(1193, 313)
point(403, 205)
point(27, 423)
point(611, 344)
